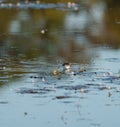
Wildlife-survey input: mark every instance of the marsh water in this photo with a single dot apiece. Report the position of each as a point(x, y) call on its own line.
point(36, 38)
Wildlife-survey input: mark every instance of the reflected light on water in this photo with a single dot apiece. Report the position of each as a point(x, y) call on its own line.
point(91, 19)
point(77, 22)
point(97, 13)
point(15, 27)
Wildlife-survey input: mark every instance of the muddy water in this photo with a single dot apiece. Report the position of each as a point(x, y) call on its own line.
point(35, 40)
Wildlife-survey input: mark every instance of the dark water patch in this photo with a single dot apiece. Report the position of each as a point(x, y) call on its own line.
point(66, 99)
point(66, 96)
point(111, 79)
point(108, 105)
point(102, 76)
point(42, 77)
point(34, 90)
point(93, 84)
point(95, 74)
point(69, 87)
point(3, 102)
point(25, 113)
point(29, 91)
point(103, 87)
point(107, 87)
point(62, 97)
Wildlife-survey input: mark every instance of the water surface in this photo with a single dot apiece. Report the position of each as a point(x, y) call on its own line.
point(35, 40)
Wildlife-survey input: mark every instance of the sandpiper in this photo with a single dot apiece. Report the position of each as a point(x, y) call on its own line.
point(66, 67)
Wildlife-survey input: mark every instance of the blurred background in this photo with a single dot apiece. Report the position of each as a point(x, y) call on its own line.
point(56, 30)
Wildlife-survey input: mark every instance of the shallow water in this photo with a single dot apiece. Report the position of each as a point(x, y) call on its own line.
point(35, 40)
